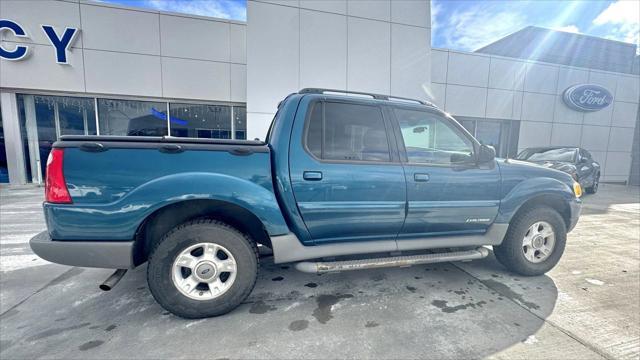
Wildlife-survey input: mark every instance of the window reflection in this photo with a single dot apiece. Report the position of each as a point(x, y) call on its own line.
point(132, 118)
point(200, 121)
point(77, 116)
point(240, 122)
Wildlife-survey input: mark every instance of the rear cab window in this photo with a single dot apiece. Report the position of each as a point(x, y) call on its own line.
point(339, 131)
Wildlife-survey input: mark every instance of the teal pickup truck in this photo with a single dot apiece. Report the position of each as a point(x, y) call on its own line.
point(344, 181)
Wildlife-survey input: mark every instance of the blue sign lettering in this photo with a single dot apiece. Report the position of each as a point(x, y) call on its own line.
point(20, 51)
point(587, 97)
point(60, 44)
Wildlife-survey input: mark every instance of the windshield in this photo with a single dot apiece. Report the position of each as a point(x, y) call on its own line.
point(562, 154)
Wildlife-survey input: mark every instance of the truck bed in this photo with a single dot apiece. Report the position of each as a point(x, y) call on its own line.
point(116, 182)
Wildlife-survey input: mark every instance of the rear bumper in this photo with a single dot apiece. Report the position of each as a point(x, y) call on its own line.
point(97, 254)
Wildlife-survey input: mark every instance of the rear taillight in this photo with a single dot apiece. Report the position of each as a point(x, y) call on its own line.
point(55, 190)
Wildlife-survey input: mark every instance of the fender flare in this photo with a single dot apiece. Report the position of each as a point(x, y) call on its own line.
point(530, 189)
point(254, 198)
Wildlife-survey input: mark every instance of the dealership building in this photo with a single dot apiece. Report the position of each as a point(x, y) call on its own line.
point(83, 67)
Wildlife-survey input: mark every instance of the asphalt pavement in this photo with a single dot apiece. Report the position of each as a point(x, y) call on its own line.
point(586, 308)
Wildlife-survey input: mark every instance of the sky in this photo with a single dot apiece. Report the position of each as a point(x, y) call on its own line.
point(471, 24)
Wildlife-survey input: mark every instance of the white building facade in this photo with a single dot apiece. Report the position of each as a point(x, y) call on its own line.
point(505, 93)
point(131, 72)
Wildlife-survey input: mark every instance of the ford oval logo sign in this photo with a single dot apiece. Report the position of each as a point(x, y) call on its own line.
point(587, 97)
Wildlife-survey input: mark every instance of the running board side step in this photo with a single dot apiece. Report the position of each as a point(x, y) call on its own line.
point(395, 261)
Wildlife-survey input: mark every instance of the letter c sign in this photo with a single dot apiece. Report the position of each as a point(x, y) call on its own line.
point(60, 43)
point(20, 52)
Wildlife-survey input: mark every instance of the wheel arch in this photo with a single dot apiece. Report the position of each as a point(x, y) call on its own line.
point(551, 200)
point(162, 220)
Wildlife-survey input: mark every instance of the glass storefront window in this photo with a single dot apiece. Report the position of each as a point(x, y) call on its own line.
point(501, 134)
point(132, 118)
point(44, 119)
point(240, 122)
point(77, 116)
point(200, 121)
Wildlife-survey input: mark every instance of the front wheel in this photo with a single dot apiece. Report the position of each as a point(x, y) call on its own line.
point(534, 242)
point(202, 268)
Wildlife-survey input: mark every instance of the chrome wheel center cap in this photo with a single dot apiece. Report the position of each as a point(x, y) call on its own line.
point(206, 270)
point(537, 242)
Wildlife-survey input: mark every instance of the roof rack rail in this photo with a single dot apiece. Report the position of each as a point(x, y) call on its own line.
point(361, 93)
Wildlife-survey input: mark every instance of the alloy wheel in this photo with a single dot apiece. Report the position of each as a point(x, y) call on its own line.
point(204, 271)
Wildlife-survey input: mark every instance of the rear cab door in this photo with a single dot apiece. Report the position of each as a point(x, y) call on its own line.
point(447, 192)
point(345, 172)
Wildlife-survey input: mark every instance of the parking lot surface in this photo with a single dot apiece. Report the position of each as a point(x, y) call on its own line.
point(586, 308)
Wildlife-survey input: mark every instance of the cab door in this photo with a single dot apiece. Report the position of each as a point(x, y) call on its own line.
point(345, 172)
point(447, 192)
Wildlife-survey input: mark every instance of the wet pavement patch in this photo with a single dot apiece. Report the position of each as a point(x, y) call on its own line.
point(323, 312)
point(56, 331)
point(90, 345)
point(442, 305)
point(298, 325)
point(510, 294)
point(259, 307)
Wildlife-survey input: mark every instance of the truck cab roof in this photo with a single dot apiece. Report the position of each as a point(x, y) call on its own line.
point(366, 95)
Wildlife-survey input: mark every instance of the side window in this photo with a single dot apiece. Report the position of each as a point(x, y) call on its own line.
point(340, 131)
point(314, 131)
point(429, 138)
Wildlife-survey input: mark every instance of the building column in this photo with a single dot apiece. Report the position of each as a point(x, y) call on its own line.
point(31, 126)
point(13, 138)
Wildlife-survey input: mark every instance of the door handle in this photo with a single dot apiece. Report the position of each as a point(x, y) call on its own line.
point(312, 175)
point(421, 177)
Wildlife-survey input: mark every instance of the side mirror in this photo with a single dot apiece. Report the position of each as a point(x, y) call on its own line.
point(486, 153)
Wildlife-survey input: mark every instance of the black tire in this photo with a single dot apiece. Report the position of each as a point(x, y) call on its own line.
point(510, 252)
point(159, 270)
point(594, 187)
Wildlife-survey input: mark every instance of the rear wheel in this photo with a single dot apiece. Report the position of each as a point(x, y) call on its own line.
point(202, 268)
point(594, 187)
point(534, 242)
